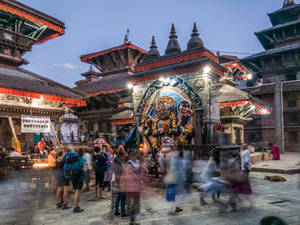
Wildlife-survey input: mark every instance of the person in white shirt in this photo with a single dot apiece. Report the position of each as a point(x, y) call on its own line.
point(246, 168)
point(87, 175)
point(246, 159)
point(82, 138)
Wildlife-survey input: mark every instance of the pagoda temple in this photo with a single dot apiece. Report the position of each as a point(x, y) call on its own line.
point(278, 68)
point(188, 95)
point(109, 102)
point(23, 92)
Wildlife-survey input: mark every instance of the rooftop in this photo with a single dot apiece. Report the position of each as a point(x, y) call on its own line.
point(286, 14)
point(273, 51)
point(124, 56)
point(44, 27)
point(15, 80)
point(112, 83)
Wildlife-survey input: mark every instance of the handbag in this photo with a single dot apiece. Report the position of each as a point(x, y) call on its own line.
point(130, 182)
point(170, 178)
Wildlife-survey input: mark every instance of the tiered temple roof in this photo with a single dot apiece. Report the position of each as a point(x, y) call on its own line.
point(108, 87)
point(20, 28)
point(281, 43)
point(121, 58)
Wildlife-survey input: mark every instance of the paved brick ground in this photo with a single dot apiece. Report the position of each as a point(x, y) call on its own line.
point(23, 201)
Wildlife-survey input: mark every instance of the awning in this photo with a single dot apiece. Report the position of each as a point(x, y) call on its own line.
point(121, 122)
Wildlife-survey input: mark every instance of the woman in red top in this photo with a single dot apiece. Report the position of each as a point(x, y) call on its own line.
point(275, 151)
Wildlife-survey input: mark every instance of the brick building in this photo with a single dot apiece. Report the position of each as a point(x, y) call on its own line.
point(278, 67)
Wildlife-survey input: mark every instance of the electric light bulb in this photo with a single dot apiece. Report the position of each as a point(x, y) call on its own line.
point(207, 69)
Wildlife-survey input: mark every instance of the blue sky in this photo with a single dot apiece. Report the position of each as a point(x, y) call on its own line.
point(94, 25)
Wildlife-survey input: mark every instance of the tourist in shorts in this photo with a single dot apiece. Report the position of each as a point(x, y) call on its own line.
point(67, 180)
point(78, 170)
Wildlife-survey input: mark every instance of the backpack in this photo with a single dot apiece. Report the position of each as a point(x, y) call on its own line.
point(100, 163)
point(72, 167)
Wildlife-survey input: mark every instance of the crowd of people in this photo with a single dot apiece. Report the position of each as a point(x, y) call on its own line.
point(117, 171)
point(121, 171)
point(214, 179)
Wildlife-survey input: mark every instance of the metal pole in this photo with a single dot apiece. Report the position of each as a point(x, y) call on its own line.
point(54, 132)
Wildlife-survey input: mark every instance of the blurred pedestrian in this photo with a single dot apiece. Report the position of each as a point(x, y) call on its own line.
point(275, 149)
point(100, 167)
point(42, 147)
point(118, 168)
point(131, 184)
point(246, 160)
point(49, 144)
point(212, 170)
point(232, 174)
point(67, 161)
point(246, 168)
point(78, 169)
point(87, 174)
point(109, 172)
point(181, 178)
point(2, 157)
point(59, 175)
point(51, 157)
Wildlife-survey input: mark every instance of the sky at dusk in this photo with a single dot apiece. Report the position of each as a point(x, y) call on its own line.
point(94, 25)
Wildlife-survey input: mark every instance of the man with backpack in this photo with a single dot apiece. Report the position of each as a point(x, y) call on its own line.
point(67, 165)
point(74, 167)
point(78, 170)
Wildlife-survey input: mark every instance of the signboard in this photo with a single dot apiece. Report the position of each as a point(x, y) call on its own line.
point(35, 124)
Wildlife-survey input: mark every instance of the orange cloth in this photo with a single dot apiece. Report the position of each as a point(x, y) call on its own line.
point(41, 146)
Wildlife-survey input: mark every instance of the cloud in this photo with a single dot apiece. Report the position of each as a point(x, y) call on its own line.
point(68, 66)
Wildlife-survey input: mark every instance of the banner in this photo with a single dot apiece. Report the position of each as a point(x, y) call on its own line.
point(35, 124)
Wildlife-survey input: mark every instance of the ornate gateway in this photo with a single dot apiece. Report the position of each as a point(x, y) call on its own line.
point(168, 112)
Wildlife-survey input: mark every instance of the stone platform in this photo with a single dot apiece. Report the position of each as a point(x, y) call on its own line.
point(289, 164)
point(260, 157)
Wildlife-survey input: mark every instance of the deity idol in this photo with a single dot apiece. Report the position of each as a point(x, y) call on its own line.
point(166, 119)
point(165, 122)
point(185, 125)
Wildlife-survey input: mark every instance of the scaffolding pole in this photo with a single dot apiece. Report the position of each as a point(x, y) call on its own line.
point(17, 142)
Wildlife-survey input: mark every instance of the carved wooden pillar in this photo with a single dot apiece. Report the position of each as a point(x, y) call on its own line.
point(137, 124)
point(198, 126)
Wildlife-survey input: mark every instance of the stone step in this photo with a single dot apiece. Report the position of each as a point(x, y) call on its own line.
point(260, 157)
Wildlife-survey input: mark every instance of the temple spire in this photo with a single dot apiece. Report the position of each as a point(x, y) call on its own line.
point(153, 52)
point(126, 39)
point(195, 41)
point(288, 3)
point(173, 44)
